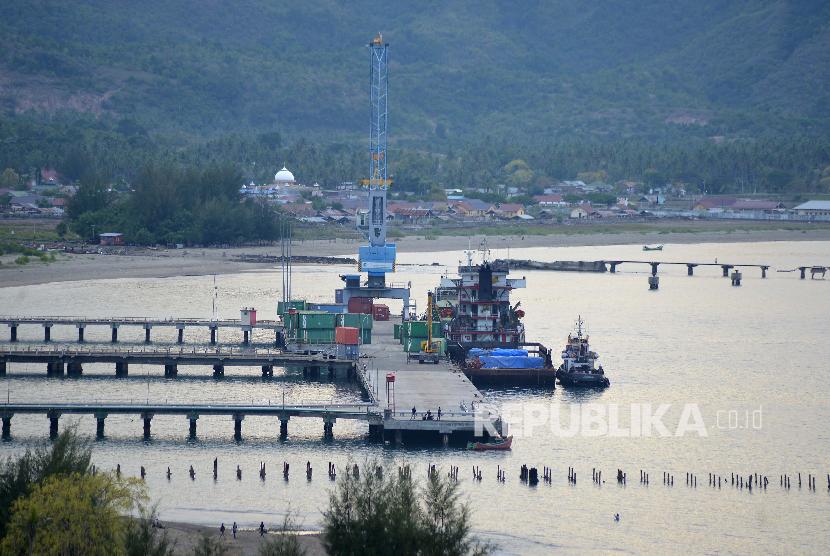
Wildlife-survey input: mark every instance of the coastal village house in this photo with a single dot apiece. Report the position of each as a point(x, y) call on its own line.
point(813, 208)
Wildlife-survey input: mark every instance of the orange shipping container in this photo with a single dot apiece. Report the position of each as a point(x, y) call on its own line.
point(347, 335)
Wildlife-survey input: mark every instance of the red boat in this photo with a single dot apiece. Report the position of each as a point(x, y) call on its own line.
point(498, 444)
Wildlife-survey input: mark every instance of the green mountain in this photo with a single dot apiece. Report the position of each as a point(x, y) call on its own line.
point(524, 71)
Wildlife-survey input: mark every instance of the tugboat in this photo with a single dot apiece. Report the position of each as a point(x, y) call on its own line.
point(652, 248)
point(579, 362)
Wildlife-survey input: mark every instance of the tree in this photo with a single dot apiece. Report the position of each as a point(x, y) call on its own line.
point(9, 179)
point(384, 511)
point(61, 229)
point(72, 514)
point(286, 543)
point(141, 538)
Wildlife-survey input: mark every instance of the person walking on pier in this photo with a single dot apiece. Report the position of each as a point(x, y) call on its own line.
point(439, 413)
point(414, 413)
point(261, 528)
point(222, 531)
point(234, 529)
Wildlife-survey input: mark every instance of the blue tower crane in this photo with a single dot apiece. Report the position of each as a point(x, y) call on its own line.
point(378, 257)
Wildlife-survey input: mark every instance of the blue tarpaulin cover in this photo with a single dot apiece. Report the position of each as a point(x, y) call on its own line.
point(514, 362)
point(498, 352)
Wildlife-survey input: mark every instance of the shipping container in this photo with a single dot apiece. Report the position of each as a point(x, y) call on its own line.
point(317, 320)
point(326, 307)
point(418, 329)
point(356, 320)
point(380, 312)
point(397, 331)
point(347, 335)
point(366, 336)
point(313, 336)
point(283, 307)
point(360, 305)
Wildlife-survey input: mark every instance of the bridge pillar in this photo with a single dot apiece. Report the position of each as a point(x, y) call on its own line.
point(81, 333)
point(2, 367)
point(245, 337)
point(47, 332)
point(100, 417)
point(654, 268)
point(690, 269)
point(328, 427)
point(192, 417)
point(74, 368)
point(180, 329)
point(267, 371)
point(170, 370)
point(148, 418)
point(114, 333)
point(213, 335)
point(803, 270)
point(218, 371)
point(764, 271)
point(653, 282)
point(7, 426)
point(283, 427)
point(726, 268)
point(736, 278)
point(121, 368)
point(147, 329)
point(13, 332)
point(613, 267)
point(237, 426)
point(54, 416)
point(445, 439)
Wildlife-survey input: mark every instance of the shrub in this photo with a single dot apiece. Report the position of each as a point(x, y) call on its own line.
point(21, 260)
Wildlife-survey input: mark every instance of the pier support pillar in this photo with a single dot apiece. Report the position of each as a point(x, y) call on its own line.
point(170, 370)
point(180, 330)
point(218, 371)
point(690, 269)
point(147, 329)
point(398, 437)
point(237, 426)
point(736, 278)
point(267, 371)
point(764, 271)
point(654, 268)
point(613, 267)
point(445, 439)
point(54, 417)
point(376, 433)
point(245, 338)
point(726, 268)
point(193, 417)
point(47, 332)
point(54, 368)
point(653, 282)
point(81, 333)
point(100, 418)
point(283, 427)
point(803, 270)
point(147, 418)
point(114, 334)
point(7, 426)
point(13, 332)
point(213, 335)
point(74, 369)
point(121, 368)
point(3, 367)
point(328, 428)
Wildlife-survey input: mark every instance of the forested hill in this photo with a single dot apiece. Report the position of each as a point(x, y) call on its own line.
point(529, 70)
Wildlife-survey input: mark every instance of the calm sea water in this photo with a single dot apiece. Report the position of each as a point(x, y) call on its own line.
point(760, 350)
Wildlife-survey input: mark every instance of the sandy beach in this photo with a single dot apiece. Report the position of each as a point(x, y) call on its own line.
point(187, 536)
point(144, 263)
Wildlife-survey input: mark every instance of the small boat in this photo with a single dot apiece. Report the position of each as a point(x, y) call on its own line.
point(652, 248)
point(579, 362)
point(495, 444)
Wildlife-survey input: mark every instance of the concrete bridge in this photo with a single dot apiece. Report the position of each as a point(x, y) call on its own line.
point(71, 361)
point(690, 267)
point(54, 410)
point(114, 323)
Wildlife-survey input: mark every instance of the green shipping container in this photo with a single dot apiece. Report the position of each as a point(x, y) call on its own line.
point(366, 336)
point(418, 329)
point(315, 336)
point(362, 321)
point(397, 331)
point(317, 320)
point(289, 321)
point(283, 306)
point(413, 345)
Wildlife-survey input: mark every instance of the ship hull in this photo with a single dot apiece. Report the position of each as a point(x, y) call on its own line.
point(584, 380)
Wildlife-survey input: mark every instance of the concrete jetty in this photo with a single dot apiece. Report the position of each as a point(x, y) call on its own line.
point(114, 323)
point(61, 359)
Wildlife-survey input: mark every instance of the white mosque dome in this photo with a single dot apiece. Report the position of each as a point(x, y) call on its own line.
point(284, 176)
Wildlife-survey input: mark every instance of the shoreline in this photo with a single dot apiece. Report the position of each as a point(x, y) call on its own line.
point(207, 261)
point(186, 537)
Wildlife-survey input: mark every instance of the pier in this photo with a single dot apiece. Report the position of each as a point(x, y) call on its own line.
point(690, 266)
point(114, 323)
point(60, 360)
point(54, 410)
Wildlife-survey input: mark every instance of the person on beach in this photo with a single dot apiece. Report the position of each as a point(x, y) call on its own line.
point(222, 531)
point(414, 413)
point(234, 529)
point(439, 413)
point(261, 528)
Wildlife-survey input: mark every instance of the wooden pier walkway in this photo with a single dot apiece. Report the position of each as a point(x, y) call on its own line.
point(58, 360)
point(114, 323)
